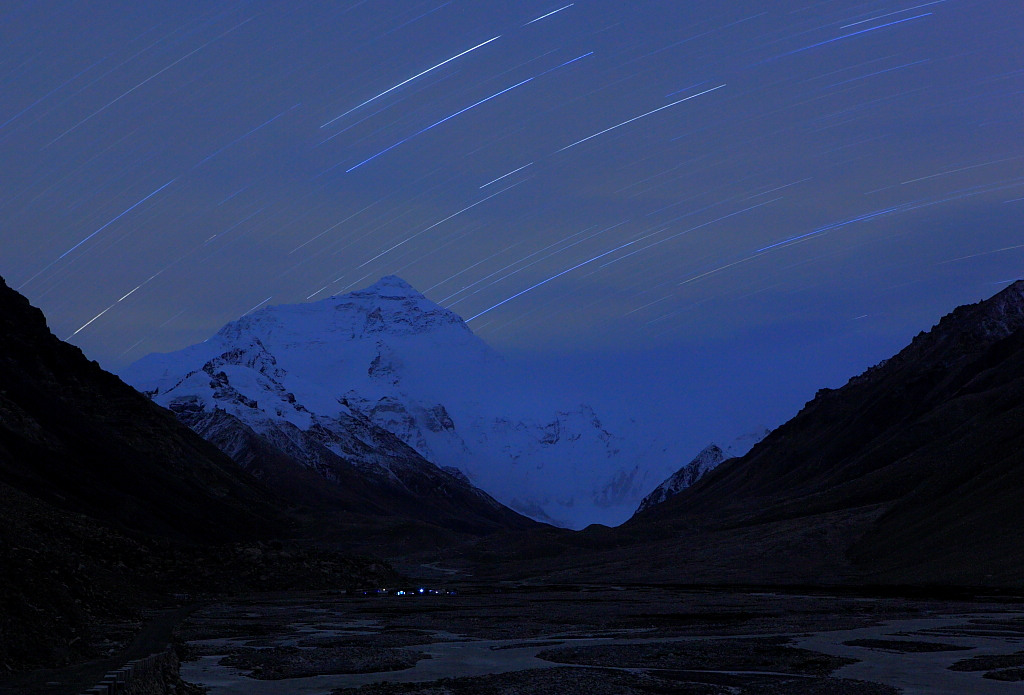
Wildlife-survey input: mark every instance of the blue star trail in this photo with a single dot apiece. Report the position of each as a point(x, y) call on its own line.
point(581, 178)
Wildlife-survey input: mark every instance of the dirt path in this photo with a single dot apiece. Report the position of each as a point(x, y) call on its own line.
point(77, 678)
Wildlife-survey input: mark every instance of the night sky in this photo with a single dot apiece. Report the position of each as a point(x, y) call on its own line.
point(714, 206)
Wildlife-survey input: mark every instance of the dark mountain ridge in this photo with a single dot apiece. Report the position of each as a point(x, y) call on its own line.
point(883, 415)
point(928, 444)
point(77, 437)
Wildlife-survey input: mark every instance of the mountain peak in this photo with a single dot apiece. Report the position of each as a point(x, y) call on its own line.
point(1004, 313)
point(967, 330)
point(992, 318)
point(392, 306)
point(389, 307)
point(391, 286)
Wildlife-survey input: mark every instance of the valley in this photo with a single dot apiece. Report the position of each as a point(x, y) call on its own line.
point(868, 546)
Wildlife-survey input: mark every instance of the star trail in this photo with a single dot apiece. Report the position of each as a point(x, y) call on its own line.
point(581, 178)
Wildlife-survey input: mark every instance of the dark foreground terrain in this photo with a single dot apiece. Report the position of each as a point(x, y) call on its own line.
point(604, 640)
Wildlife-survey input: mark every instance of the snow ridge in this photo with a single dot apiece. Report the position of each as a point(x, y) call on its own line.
point(710, 457)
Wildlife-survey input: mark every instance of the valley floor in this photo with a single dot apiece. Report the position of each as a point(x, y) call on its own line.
point(610, 640)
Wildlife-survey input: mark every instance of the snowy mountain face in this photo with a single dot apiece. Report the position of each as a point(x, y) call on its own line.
point(708, 458)
point(338, 372)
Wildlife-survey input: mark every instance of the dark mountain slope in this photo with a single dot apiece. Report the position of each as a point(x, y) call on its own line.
point(911, 473)
point(385, 490)
point(932, 440)
point(954, 374)
point(966, 504)
point(77, 437)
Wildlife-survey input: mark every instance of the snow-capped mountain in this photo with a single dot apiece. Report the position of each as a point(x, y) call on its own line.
point(708, 458)
point(336, 371)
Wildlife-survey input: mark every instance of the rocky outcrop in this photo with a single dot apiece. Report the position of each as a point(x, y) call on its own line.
point(709, 457)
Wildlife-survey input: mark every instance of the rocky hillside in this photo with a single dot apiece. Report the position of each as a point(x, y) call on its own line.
point(77, 437)
point(926, 448)
point(353, 471)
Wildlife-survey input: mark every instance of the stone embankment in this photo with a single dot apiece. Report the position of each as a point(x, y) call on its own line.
point(157, 674)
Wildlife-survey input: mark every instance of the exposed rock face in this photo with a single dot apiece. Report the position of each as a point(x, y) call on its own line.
point(708, 458)
point(361, 469)
point(703, 463)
